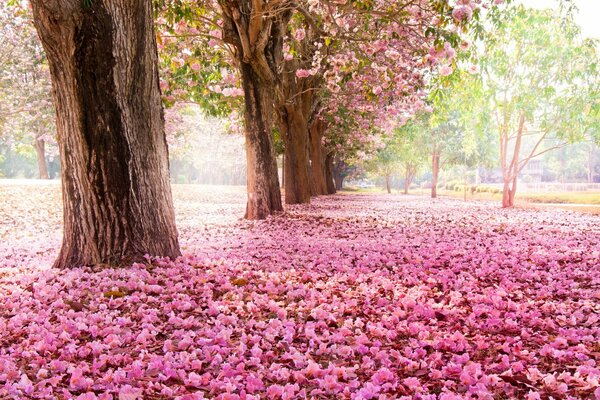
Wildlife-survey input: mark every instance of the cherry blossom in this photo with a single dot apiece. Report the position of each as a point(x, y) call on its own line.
point(353, 296)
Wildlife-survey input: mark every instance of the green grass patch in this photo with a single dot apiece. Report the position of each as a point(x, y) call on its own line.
point(592, 198)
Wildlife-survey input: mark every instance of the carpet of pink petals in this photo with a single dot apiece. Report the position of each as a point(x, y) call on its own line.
point(352, 297)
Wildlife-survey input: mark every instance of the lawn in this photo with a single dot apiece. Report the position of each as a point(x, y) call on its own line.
point(590, 198)
point(354, 296)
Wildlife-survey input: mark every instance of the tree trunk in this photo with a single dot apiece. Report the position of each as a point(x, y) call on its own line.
point(294, 130)
point(115, 170)
point(264, 195)
point(283, 171)
point(508, 193)
point(316, 157)
point(435, 168)
point(510, 171)
point(591, 163)
point(256, 33)
point(407, 179)
point(329, 174)
point(388, 185)
point(339, 182)
point(40, 150)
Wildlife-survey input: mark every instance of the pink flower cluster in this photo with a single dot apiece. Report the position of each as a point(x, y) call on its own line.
point(351, 297)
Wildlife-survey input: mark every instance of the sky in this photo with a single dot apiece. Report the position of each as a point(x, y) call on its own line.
point(587, 17)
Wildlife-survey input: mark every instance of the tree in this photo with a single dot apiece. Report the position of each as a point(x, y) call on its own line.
point(385, 164)
point(411, 148)
point(374, 49)
point(26, 112)
point(539, 78)
point(104, 67)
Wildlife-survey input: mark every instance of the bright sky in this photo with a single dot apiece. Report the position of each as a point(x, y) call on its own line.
point(587, 17)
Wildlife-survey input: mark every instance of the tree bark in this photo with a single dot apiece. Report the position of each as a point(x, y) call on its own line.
point(329, 174)
point(435, 168)
point(40, 150)
point(388, 185)
point(294, 130)
point(256, 30)
point(115, 170)
point(264, 195)
point(316, 157)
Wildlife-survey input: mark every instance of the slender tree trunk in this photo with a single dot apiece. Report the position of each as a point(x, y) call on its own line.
point(388, 185)
point(510, 171)
point(435, 173)
point(329, 174)
point(591, 163)
point(115, 171)
point(40, 150)
point(264, 195)
point(294, 130)
point(408, 179)
point(316, 157)
point(508, 193)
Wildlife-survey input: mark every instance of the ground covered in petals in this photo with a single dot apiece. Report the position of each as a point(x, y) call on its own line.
point(352, 297)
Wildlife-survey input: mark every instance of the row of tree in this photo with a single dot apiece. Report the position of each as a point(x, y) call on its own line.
point(535, 89)
point(302, 68)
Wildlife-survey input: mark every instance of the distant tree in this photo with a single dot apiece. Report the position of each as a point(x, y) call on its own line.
point(385, 163)
point(541, 84)
point(26, 112)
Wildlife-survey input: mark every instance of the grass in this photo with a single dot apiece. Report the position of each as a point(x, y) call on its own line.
point(568, 200)
point(588, 198)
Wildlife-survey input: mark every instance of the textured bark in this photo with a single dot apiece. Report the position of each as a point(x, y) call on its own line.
point(296, 104)
point(264, 195)
point(329, 174)
point(115, 174)
point(317, 160)
point(294, 130)
point(388, 185)
point(435, 168)
point(255, 29)
point(40, 150)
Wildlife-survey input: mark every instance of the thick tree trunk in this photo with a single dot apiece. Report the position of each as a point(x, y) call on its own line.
point(329, 174)
point(115, 170)
point(283, 171)
point(256, 31)
point(294, 130)
point(388, 185)
point(317, 163)
point(264, 195)
point(435, 168)
point(40, 150)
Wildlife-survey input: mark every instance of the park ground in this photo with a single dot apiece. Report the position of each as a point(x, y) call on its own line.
point(357, 296)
